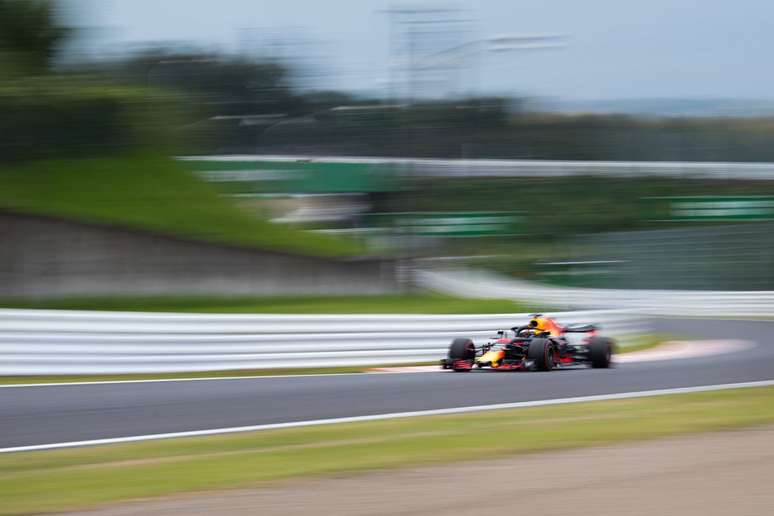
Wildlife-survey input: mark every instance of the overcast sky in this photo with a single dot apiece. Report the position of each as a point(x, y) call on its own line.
point(615, 48)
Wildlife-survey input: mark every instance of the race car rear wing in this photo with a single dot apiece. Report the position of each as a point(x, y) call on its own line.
point(580, 328)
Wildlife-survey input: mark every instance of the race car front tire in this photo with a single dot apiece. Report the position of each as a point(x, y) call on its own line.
point(462, 349)
point(540, 353)
point(601, 352)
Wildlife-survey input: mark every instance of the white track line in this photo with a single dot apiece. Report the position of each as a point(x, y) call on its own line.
point(377, 417)
point(162, 380)
point(408, 369)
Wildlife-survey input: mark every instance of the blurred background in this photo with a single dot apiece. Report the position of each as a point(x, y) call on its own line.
point(600, 143)
point(441, 169)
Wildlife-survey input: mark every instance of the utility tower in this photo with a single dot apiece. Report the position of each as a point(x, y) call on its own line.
point(437, 52)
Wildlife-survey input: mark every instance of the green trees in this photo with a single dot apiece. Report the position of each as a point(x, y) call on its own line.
point(221, 84)
point(47, 114)
point(29, 36)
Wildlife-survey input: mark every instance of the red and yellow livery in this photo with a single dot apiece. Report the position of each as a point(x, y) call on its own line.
point(542, 344)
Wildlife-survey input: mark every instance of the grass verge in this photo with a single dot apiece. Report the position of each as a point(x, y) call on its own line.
point(416, 303)
point(641, 343)
point(85, 477)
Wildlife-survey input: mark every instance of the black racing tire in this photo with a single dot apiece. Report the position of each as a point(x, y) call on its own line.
point(601, 352)
point(462, 349)
point(541, 354)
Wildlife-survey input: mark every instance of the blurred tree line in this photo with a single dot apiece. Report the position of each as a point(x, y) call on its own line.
point(488, 128)
point(196, 102)
point(29, 36)
point(47, 111)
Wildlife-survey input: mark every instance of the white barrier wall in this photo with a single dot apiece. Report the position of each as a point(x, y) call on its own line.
point(34, 342)
point(530, 168)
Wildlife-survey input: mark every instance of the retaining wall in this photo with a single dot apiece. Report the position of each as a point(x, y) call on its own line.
point(51, 257)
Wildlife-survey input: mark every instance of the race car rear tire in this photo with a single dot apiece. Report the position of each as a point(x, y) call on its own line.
point(601, 352)
point(541, 354)
point(462, 349)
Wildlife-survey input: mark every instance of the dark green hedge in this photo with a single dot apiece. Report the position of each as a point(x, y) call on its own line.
point(47, 117)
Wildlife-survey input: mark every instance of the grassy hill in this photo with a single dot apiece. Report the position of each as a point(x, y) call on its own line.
point(413, 303)
point(153, 193)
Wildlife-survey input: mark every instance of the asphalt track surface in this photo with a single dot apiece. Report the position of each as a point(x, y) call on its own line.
point(53, 414)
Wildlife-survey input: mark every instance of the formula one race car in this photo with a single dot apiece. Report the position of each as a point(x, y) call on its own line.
point(541, 345)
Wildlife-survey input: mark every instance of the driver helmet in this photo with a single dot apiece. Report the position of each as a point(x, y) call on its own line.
point(538, 323)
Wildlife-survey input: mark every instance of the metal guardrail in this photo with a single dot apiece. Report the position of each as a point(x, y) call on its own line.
point(34, 342)
point(534, 168)
point(685, 303)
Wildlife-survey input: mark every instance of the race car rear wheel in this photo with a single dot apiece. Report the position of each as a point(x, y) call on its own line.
point(601, 352)
point(462, 349)
point(541, 354)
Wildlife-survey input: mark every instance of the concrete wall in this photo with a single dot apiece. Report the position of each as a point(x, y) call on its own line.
point(51, 257)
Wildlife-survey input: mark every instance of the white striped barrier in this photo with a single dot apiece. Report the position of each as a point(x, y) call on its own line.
point(38, 342)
